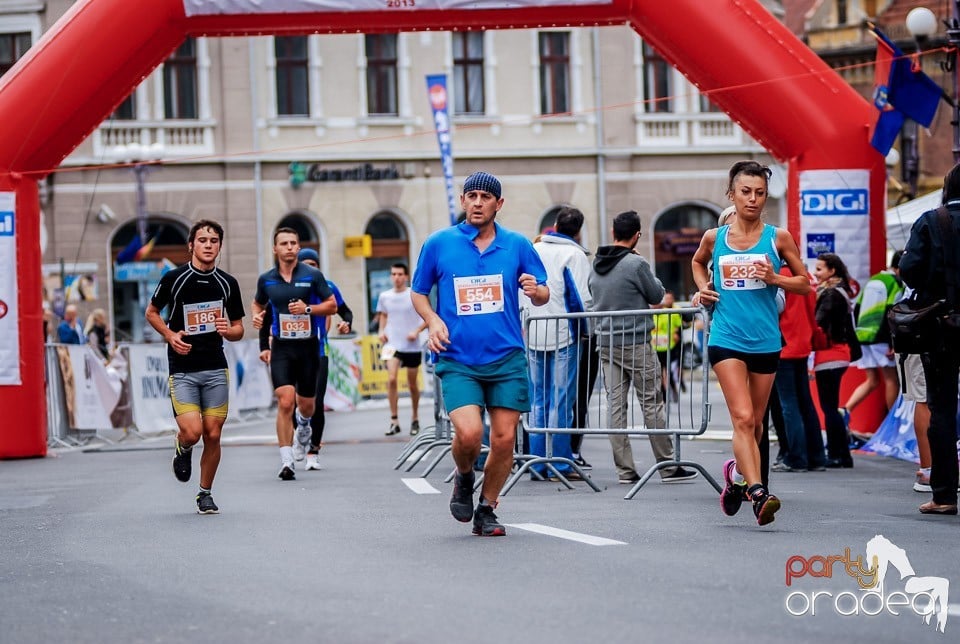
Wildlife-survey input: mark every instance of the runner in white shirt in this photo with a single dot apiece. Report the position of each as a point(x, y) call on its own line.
point(400, 327)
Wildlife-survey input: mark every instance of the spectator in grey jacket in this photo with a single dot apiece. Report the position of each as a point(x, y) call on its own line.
point(623, 281)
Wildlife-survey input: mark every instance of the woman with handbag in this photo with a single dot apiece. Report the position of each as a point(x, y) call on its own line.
point(834, 339)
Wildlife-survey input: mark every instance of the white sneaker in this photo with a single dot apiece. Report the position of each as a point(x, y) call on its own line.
point(313, 462)
point(298, 451)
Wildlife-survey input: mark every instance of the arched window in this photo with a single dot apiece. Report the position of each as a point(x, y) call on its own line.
point(134, 280)
point(390, 246)
point(305, 229)
point(676, 237)
point(548, 221)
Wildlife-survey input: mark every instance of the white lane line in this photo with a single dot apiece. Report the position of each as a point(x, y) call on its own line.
point(588, 539)
point(420, 486)
point(953, 609)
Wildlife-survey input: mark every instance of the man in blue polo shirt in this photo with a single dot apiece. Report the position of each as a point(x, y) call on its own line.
point(477, 267)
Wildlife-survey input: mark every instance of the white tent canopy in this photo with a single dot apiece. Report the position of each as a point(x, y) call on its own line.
point(900, 218)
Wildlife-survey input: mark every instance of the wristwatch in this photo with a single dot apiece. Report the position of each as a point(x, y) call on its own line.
point(308, 310)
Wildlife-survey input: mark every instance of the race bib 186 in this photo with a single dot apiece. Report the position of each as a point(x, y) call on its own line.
point(201, 317)
point(478, 294)
point(739, 272)
point(294, 327)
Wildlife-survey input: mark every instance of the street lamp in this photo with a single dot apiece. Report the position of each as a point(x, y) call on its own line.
point(922, 23)
point(142, 157)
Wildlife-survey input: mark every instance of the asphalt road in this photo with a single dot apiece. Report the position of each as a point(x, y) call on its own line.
point(104, 545)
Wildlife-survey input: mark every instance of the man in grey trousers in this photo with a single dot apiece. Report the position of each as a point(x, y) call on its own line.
point(622, 280)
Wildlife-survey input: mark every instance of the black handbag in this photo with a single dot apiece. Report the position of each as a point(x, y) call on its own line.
point(921, 329)
point(915, 328)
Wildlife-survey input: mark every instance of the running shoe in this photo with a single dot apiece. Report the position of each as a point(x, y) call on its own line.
point(461, 501)
point(313, 462)
point(579, 460)
point(485, 523)
point(414, 427)
point(765, 505)
point(733, 493)
point(394, 429)
point(182, 461)
point(299, 451)
point(205, 504)
point(287, 473)
point(922, 484)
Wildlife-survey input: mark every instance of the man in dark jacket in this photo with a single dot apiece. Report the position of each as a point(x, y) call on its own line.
point(930, 265)
point(623, 281)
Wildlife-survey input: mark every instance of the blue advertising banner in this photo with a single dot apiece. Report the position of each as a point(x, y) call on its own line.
point(437, 92)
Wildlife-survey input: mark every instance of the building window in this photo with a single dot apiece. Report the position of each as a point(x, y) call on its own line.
point(390, 245)
point(127, 110)
point(554, 72)
point(708, 106)
point(12, 49)
point(657, 82)
point(468, 72)
point(180, 82)
point(293, 85)
point(381, 51)
point(676, 237)
point(842, 12)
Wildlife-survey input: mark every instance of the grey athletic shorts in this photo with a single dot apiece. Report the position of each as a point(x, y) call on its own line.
point(206, 392)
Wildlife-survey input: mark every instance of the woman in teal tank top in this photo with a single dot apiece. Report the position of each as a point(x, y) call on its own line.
point(744, 344)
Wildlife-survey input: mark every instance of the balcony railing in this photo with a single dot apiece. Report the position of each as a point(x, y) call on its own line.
point(698, 130)
point(179, 138)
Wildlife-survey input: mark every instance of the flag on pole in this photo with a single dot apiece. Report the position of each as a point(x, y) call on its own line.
point(437, 93)
point(900, 91)
point(129, 252)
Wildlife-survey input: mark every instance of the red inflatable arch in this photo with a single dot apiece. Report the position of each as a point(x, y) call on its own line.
point(776, 88)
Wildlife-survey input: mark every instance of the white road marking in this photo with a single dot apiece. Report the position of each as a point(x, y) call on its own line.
point(420, 486)
point(953, 609)
point(588, 539)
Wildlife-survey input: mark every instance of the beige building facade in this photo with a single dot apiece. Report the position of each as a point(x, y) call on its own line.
point(334, 136)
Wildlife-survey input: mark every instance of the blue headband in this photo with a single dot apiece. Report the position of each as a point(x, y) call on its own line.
point(482, 181)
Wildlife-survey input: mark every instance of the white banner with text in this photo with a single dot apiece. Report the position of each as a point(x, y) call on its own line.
point(241, 7)
point(835, 218)
point(9, 314)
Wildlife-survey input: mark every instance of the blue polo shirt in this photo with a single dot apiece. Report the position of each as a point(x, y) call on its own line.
point(477, 293)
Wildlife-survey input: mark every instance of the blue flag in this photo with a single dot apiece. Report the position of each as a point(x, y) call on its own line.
point(129, 252)
point(900, 91)
point(437, 92)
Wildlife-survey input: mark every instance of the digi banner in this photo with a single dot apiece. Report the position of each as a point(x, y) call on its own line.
point(437, 92)
point(835, 218)
point(9, 315)
point(213, 7)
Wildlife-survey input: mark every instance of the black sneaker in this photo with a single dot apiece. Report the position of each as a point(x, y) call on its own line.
point(394, 429)
point(679, 475)
point(485, 523)
point(287, 473)
point(182, 461)
point(414, 427)
point(205, 504)
point(582, 463)
point(461, 501)
point(765, 505)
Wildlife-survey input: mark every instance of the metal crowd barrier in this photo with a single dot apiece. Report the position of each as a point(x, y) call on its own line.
point(643, 404)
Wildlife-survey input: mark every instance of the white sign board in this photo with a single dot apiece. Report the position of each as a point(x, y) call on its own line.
point(240, 7)
point(9, 314)
point(835, 218)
